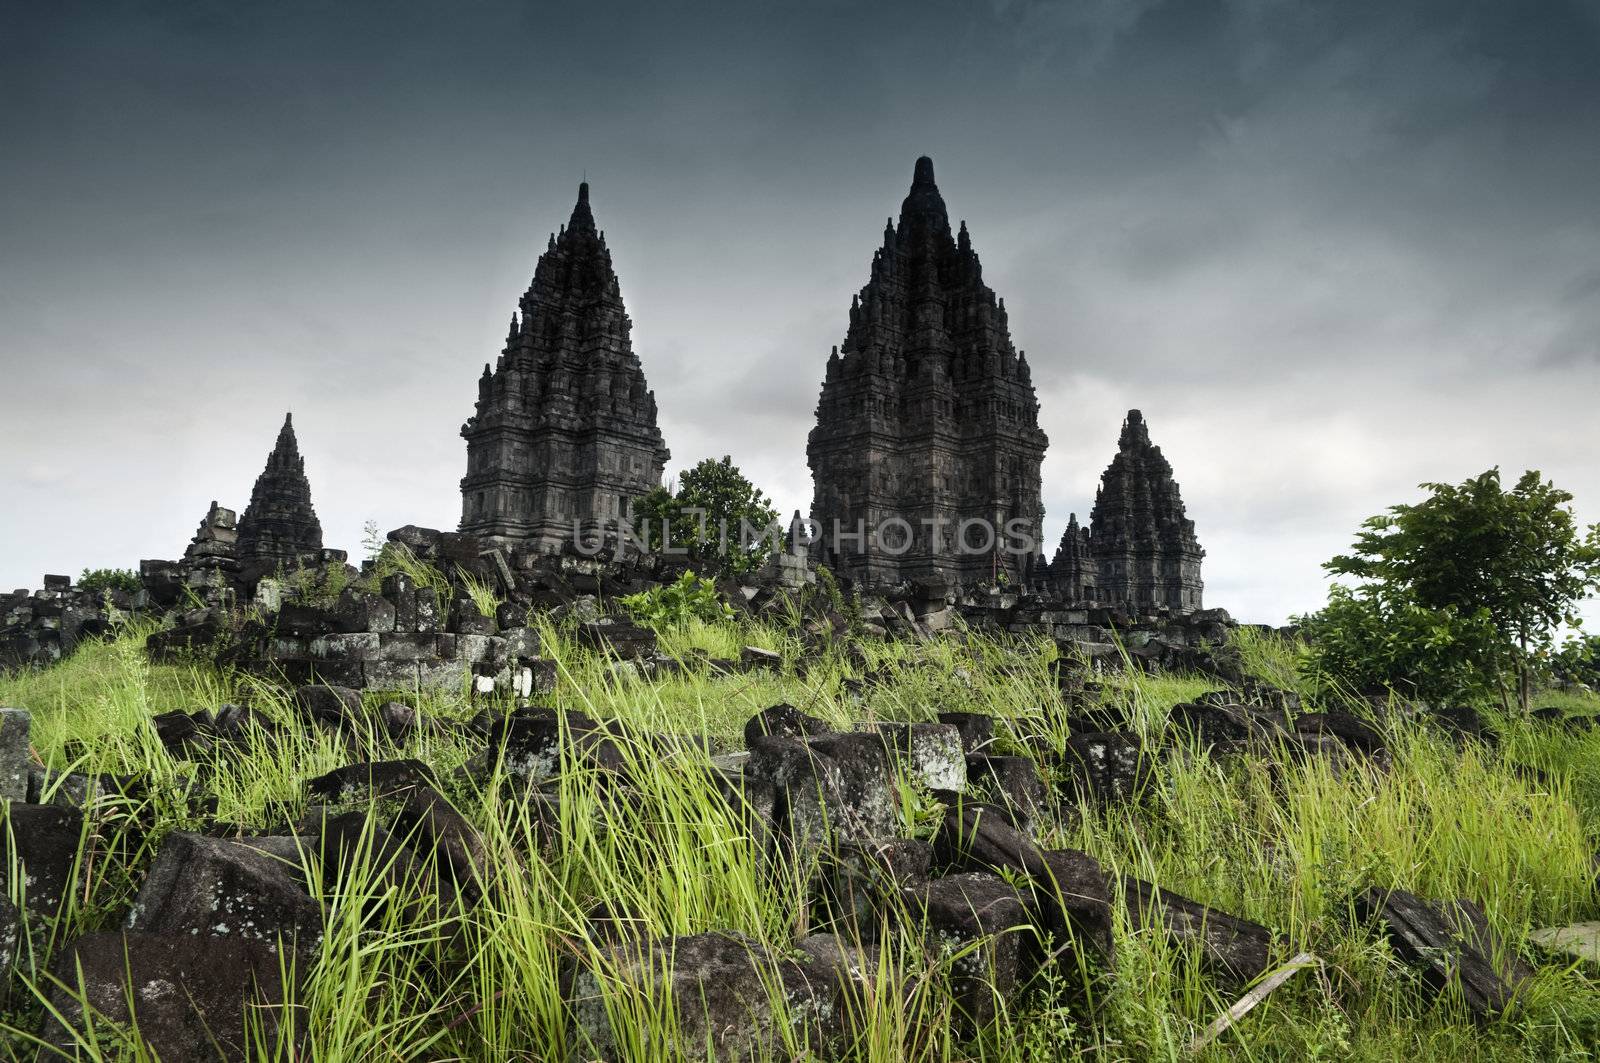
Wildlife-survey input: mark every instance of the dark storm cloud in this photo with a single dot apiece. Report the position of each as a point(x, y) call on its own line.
point(1331, 249)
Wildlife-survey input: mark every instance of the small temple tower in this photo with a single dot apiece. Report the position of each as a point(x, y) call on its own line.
point(1145, 552)
point(1073, 570)
point(927, 417)
point(279, 524)
point(564, 432)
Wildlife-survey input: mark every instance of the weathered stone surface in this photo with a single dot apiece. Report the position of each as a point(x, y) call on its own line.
point(564, 431)
point(435, 828)
point(835, 786)
point(860, 882)
point(10, 936)
point(1451, 944)
point(383, 778)
point(1073, 897)
point(626, 640)
point(217, 888)
point(325, 703)
point(1233, 949)
point(15, 758)
point(721, 988)
point(1101, 768)
point(1013, 783)
point(190, 995)
point(43, 840)
point(279, 527)
point(784, 721)
point(1229, 727)
point(927, 413)
point(976, 729)
point(932, 753)
point(962, 911)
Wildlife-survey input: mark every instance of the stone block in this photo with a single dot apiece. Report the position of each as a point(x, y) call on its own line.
point(356, 646)
point(931, 753)
point(1013, 783)
point(982, 919)
point(212, 887)
point(15, 755)
point(191, 995)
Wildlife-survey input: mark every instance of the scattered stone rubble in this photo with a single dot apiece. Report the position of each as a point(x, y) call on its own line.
point(220, 913)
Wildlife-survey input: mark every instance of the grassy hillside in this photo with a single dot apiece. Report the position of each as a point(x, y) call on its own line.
point(398, 977)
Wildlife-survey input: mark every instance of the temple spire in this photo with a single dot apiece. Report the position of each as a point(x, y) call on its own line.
point(279, 526)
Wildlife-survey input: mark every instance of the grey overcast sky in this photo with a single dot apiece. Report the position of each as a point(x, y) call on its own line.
point(1332, 249)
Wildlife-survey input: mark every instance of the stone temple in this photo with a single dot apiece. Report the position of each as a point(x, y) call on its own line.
point(1140, 549)
point(279, 527)
point(564, 431)
point(927, 416)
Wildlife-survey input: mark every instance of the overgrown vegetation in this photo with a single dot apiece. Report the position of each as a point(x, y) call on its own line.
point(717, 518)
point(1284, 846)
point(674, 604)
point(109, 579)
point(1461, 595)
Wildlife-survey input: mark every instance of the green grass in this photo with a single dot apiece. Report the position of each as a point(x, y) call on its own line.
point(396, 978)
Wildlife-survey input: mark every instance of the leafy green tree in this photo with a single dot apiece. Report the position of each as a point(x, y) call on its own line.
point(109, 579)
point(1495, 574)
point(717, 516)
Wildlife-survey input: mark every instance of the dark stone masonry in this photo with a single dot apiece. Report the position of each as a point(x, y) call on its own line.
point(1140, 550)
point(279, 527)
point(927, 413)
point(565, 427)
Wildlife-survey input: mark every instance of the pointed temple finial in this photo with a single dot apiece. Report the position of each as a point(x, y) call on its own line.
point(923, 174)
point(279, 526)
point(583, 190)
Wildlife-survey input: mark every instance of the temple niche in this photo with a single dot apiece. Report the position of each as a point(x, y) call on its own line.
point(927, 417)
point(279, 527)
point(1140, 549)
point(564, 432)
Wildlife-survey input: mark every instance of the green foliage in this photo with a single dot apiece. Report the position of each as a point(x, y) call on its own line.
point(109, 579)
point(398, 559)
point(717, 517)
point(480, 591)
point(1578, 661)
point(670, 605)
point(1373, 643)
point(1460, 590)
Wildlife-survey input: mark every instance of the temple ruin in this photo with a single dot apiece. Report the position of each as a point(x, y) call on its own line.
point(1140, 549)
point(564, 433)
point(927, 446)
point(279, 527)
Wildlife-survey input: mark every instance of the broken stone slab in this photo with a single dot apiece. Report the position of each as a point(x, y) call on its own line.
point(1013, 783)
point(1451, 944)
point(859, 882)
point(720, 986)
point(785, 721)
point(16, 757)
point(1234, 950)
point(371, 779)
point(446, 839)
point(324, 703)
point(933, 753)
point(976, 729)
point(43, 842)
point(1229, 727)
point(616, 636)
point(225, 889)
point(185, 734)
point(1579, 940)
point(1101, 769)
point(754, 658)
point(836, 787)
point(978, 922)
point(190, 995)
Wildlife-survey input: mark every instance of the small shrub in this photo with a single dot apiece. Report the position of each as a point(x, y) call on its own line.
point(673, 604)
point(109, 579)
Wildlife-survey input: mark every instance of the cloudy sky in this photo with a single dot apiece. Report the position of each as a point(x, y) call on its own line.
point(1331, 249)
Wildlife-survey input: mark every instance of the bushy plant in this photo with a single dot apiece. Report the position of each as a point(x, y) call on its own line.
point(1460, 592)
point(687, 598)
point(109, 579)
point(717, 517)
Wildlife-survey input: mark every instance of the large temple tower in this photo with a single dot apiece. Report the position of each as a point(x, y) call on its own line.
point(564, 432)
point(927, 421)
